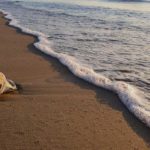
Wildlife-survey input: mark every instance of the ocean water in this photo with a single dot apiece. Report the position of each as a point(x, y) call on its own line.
point(106, 43)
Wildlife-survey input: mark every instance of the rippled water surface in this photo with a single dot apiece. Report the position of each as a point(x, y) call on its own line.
point(114, 42)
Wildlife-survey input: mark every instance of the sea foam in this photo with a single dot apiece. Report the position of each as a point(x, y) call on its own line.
point(131, 97)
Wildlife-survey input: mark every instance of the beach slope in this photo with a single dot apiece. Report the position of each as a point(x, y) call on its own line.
point(54, 110)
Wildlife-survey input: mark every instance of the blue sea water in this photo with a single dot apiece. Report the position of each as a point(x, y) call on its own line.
point(103, 42)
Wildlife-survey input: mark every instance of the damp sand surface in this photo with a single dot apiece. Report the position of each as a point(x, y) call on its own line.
point(56, 110)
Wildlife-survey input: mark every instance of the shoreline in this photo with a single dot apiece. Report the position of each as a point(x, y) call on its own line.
point(126, 92)
point(95, 96)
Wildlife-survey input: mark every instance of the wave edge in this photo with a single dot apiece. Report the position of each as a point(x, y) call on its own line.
point(131, 97)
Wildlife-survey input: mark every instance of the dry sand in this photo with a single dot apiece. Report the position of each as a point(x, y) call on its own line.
point(55, 110)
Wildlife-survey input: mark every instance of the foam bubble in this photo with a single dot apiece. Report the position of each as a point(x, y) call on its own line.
point(131, 97)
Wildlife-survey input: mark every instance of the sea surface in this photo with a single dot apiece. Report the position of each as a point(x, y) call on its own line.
point(104, 42)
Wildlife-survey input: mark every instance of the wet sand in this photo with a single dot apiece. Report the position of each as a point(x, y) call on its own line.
point(54, 110)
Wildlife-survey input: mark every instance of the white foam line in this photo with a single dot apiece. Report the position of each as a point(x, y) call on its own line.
point(129, 95)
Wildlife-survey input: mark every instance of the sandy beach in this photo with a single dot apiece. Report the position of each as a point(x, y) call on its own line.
point(54, 110)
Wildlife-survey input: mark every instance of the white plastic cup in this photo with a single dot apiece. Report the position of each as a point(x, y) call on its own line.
point(6, 85)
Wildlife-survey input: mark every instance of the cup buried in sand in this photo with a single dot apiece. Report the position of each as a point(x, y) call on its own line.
point(6, 85)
